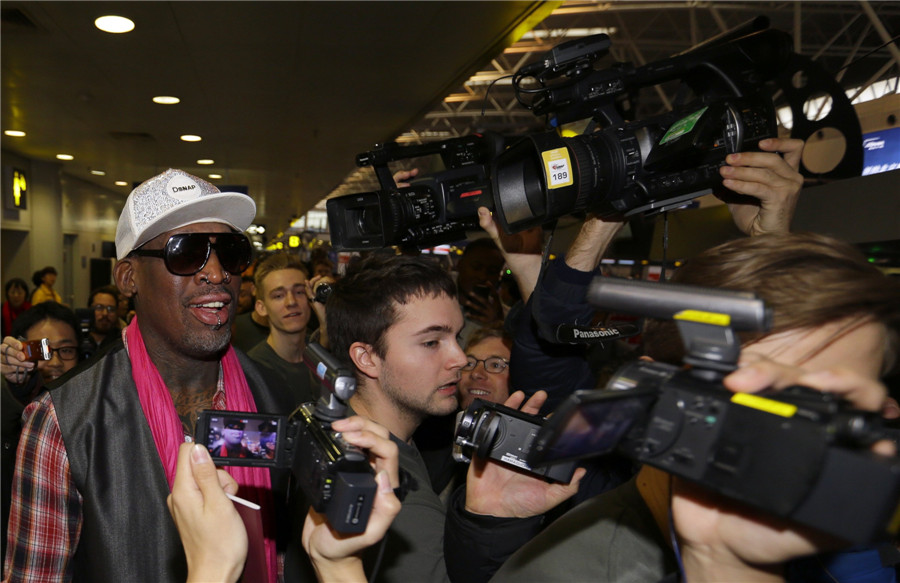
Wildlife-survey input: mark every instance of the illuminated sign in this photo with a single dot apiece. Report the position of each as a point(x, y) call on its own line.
point(15, 193)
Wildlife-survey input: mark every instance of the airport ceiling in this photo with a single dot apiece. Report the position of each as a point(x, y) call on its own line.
point(285, 94)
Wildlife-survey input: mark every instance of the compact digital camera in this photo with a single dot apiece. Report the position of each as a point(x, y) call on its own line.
point(797, 453)
point(335, 476)
point(497, 432)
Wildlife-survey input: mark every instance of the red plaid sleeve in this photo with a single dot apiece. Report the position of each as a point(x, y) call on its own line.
point(45, 520)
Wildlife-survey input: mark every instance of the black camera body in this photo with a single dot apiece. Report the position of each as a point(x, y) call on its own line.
point(434, 209)
point(497, 432)
point(335, 477)
point(797, 453)
point(623, 167)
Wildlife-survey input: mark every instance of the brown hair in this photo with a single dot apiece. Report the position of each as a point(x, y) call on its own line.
point(276, 262)
point(490, 331)
point(807, 279)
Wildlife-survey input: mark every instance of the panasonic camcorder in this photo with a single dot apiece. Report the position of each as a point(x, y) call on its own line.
point(797, 453)
point(617, 166)
point(335, 476)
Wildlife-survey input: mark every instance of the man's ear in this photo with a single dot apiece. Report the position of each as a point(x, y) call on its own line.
point(261, 308)
point(124, 276)
point(365, 359)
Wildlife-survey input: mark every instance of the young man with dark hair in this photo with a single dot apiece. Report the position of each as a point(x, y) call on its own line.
point(104, 328)
point(395, 319)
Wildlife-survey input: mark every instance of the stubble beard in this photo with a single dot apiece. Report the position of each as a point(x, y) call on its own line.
point(416, 406)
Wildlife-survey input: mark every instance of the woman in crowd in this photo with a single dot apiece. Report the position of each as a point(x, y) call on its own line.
point(44, 281)
point(16, 302)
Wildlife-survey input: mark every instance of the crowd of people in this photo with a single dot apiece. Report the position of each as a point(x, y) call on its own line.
point(102, 480)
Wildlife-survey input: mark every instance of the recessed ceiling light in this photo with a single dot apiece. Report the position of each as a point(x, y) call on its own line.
point(215, 176)
point(206, 161)
point(121, 183)
point(14, 133)
point(98, 172)
point(114, 24)
point(191, 138)
point(65, 157)
point(166, 100)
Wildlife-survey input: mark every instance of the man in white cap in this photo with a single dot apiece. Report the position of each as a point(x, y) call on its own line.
point(98, 452)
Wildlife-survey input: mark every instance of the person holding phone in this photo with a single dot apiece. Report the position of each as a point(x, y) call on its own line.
point(24, 377)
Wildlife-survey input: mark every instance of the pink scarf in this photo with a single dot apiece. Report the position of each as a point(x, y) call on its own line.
point(255, 483)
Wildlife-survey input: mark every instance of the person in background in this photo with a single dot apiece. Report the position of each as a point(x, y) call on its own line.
point(44, 292)
point(249, 328)
point(478, 281)
point(104, 326)
point(21, 384)
point(247, 297)
point(16, 291)
point(486, 373)
point(284, 300)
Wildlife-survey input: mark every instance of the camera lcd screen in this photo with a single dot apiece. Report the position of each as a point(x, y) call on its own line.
point(241, 438)
point(590, 423)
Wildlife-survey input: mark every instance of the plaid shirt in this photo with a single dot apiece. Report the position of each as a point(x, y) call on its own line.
point(46, 516)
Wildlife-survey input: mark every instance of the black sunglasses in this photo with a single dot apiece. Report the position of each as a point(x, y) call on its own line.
point(187, 253)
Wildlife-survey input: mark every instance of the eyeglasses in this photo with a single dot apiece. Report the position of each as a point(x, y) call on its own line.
point(187, 253)
point(65, 352)
point(494, 364)
point(102, 308)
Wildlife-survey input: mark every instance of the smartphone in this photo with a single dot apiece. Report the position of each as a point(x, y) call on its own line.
point(238, 438)
point(36, 350)
point(590, 423)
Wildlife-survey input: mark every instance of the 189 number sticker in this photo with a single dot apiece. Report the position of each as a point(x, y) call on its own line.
point(557, 167)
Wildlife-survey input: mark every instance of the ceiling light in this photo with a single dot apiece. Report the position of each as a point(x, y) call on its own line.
point(190, 138)
point(206, 161)
point(114, 24)
point(14, 133)
point(98, 172)
point(121, 183)
point(65, 157)
point(215, 176)
point(166, 100)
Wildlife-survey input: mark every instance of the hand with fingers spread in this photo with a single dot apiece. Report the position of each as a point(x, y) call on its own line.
point(212, 532)
point(338, 557)
point(764, 186)
point(495, 489)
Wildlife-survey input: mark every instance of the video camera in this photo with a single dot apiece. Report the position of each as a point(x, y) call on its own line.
point(624, 168)
point(434, 209)
point(800, 454)
point(335, 476)
point(501, 433)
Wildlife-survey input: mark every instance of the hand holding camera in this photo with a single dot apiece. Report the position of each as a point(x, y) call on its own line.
point(496, 489)
point(330, 551)
point(724, 540)
point(18, 358)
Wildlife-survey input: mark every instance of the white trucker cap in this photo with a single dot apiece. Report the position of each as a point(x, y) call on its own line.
point(174, 199)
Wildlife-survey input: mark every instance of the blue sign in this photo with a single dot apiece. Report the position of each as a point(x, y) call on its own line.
point(881, 151)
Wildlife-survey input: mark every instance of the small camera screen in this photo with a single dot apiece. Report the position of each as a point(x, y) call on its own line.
point(596, 425)
point(242, 437)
